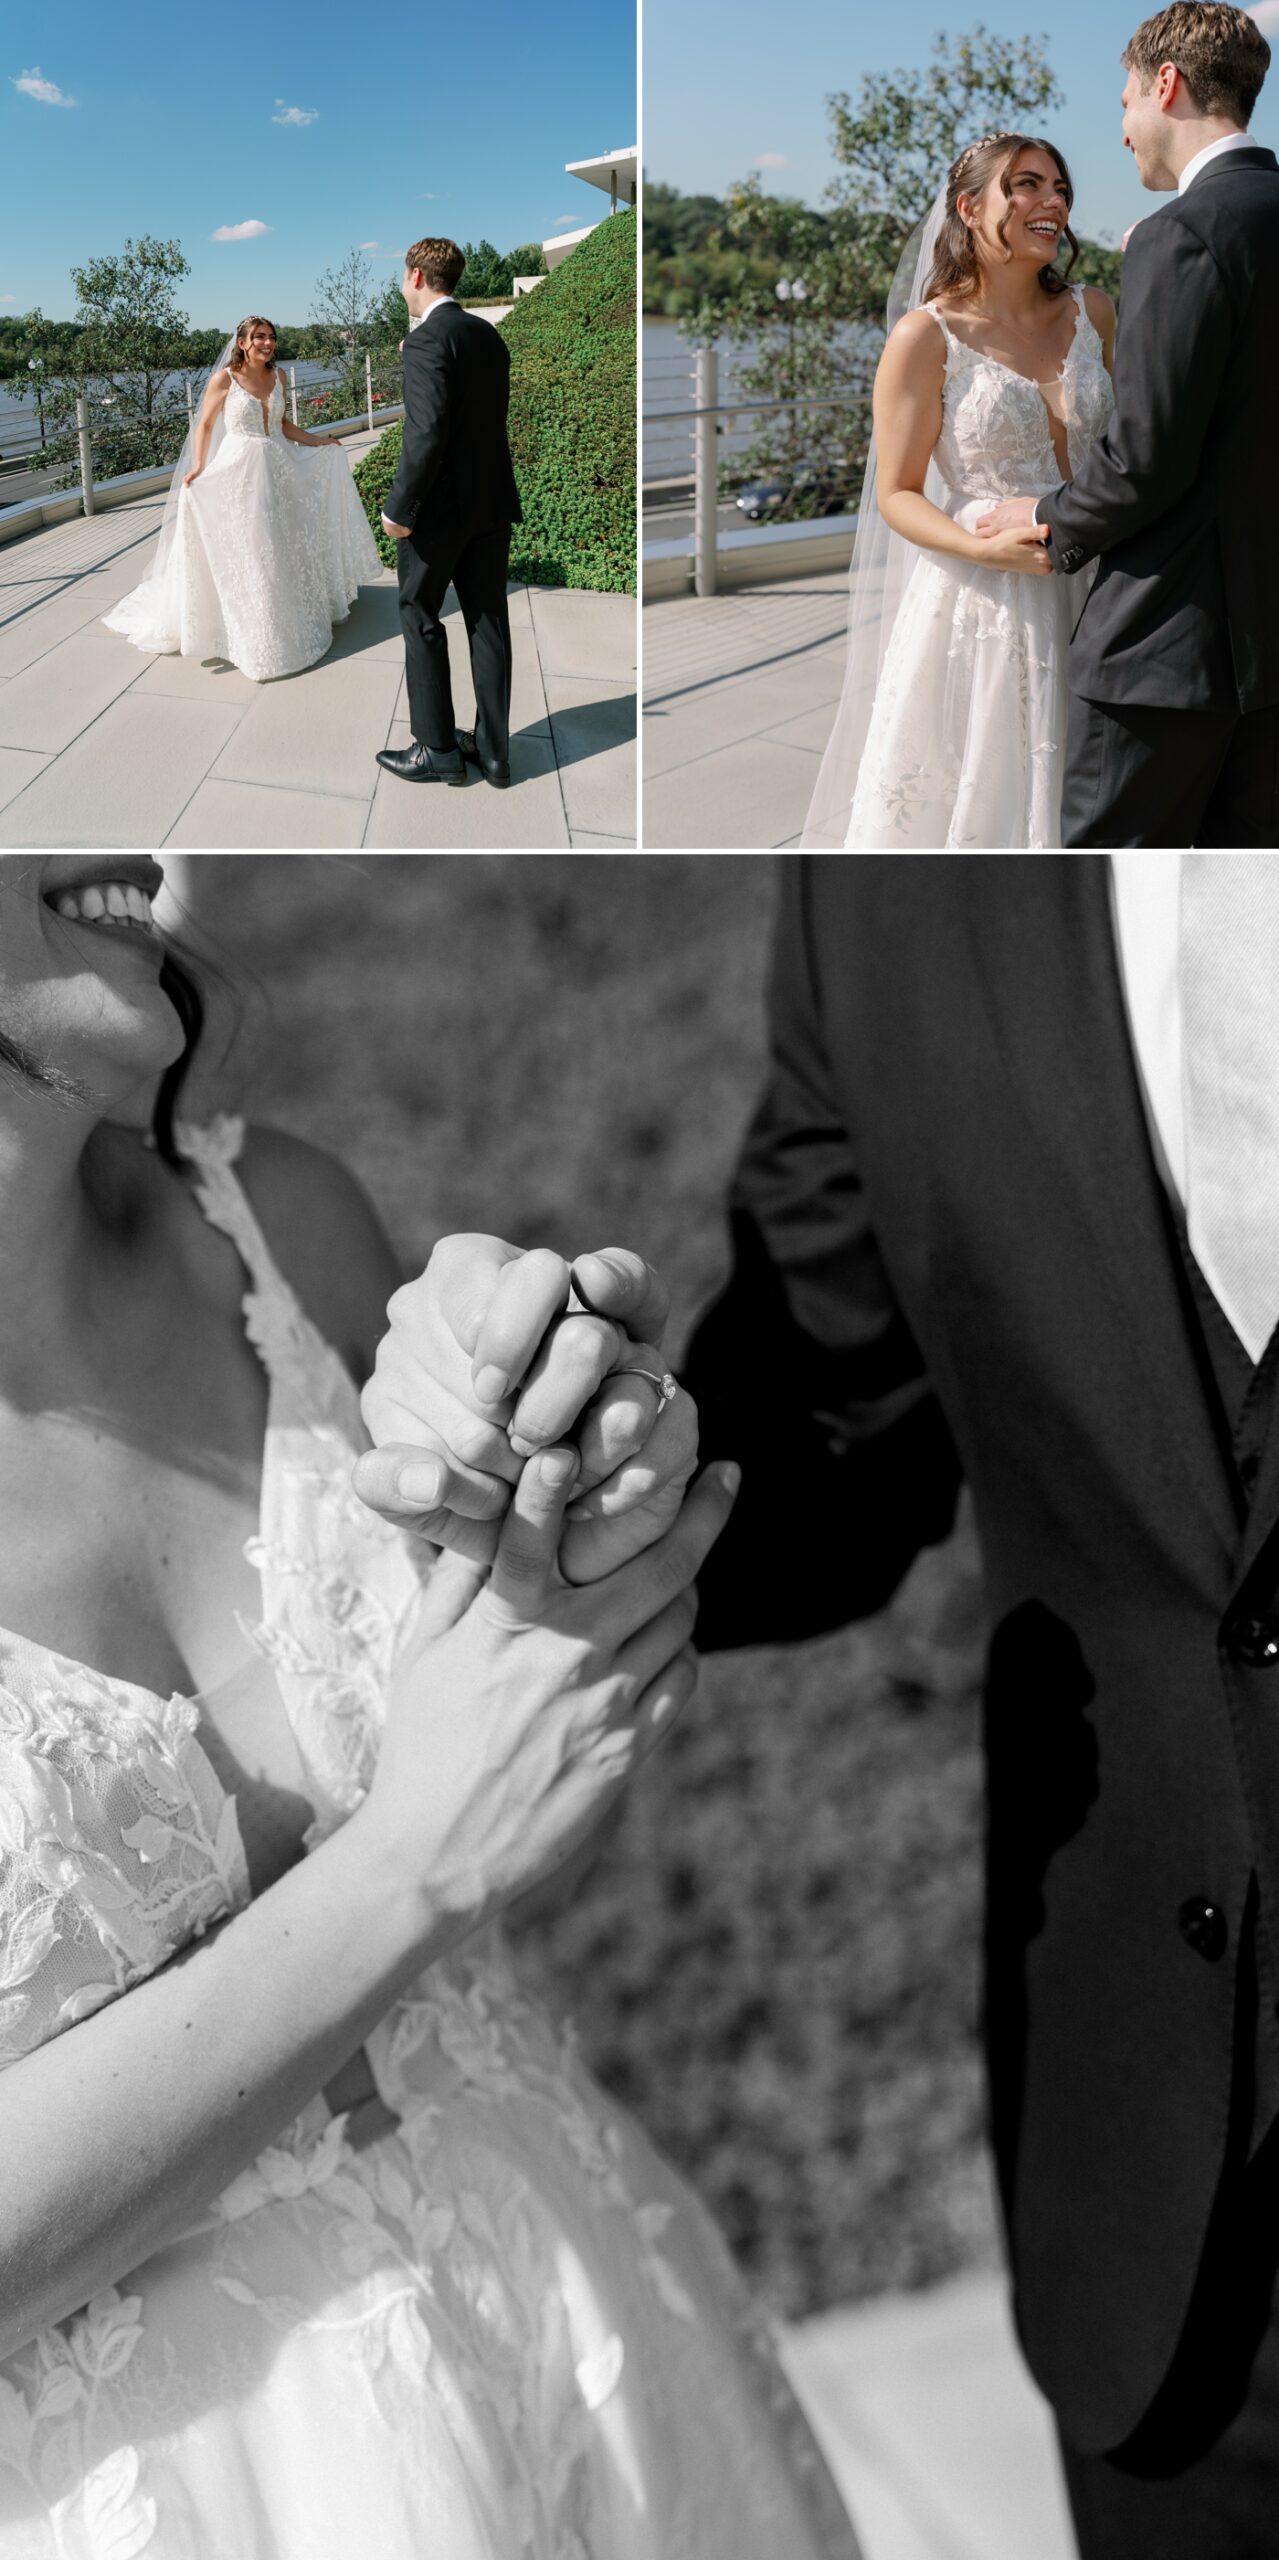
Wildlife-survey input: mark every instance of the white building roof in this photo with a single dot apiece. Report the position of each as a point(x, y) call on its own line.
point(615, 171)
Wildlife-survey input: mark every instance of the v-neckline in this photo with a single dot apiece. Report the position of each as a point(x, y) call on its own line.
point(264, 405)
point(981, 357)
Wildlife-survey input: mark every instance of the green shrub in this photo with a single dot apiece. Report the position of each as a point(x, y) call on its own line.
point(573, 357)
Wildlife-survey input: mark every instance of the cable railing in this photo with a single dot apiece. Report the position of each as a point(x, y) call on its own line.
point(698, 455)
point(318, 396)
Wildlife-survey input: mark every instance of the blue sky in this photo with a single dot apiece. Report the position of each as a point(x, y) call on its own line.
point(331, 126)
point(727, 89)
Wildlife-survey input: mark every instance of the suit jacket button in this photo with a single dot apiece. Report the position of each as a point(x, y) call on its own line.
point(1254, 1641)
point(1204, 1928)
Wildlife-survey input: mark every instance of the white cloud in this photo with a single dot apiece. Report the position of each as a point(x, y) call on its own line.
point(428, 198)
point(8, 297)
point(1266, 13)
point(296, 115)
point(34, 85)
point(240, 231)
point(771, 160)
point(566, 222)
point(370, 244)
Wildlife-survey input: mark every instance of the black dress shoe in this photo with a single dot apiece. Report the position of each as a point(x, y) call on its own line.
point(498, 774)
point(420, 764)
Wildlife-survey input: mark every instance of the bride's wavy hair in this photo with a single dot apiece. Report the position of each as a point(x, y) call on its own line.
point(186, 995)
point(256, 320)
point(955, 267)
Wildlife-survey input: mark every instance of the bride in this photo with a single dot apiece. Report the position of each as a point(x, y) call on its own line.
point(994, 383)
point(264, 542)
point(317, 2241)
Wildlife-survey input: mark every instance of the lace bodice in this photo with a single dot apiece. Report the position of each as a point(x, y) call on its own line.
point(996, 438)
point(117, 1841)
point(244, 414)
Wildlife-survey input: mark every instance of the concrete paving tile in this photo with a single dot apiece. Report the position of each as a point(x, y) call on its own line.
point(319, 731)
point(196, 680)
point(127, 781)
point(811, 729)
point(372, 627)
point(752, 794)
point(17, 769)
point(583, 634)
point(414, 816)
point(51, 701)
point(29, 635)
point(246, 817)
point(593, 726)
point(584, 840)
point(684, 727)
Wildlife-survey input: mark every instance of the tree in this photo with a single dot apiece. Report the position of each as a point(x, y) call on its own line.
point(488, 273)
point(127, 357)
point(344, 306)
point(527, 260)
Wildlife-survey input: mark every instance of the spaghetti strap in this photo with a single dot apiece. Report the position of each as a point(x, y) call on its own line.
point(942, 323)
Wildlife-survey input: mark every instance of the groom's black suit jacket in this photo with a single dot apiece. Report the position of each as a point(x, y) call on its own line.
point(455, 477)
point(1174, 497)
point(954, 1256)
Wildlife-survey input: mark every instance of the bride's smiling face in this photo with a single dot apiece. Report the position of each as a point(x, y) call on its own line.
point(259, 346)
point(80, 962)
point(1032, 217)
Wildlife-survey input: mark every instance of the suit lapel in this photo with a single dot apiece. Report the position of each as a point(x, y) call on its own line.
point(1043, 944)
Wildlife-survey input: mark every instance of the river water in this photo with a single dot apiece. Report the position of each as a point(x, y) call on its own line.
point(19, 417)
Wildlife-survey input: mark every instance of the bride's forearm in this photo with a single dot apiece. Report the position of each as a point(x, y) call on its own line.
point(119, 2133)
point(915, 517)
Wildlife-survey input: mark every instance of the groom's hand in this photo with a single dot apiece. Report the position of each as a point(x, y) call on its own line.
point(1013, 515)
point(493, 1353)
point(398, 532)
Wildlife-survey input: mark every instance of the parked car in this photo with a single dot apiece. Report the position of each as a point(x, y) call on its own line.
point(806, 490)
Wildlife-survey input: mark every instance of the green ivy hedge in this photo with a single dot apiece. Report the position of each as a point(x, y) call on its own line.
point(573, 360)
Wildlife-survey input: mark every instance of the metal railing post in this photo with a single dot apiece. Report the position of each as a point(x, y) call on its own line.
point(190, 404)
point(705, 474)
point(368, 385)
point(293, 392)
point(86, 454)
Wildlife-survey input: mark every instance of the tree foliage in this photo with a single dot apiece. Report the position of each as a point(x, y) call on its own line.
point(572, 421)
point(128, 355)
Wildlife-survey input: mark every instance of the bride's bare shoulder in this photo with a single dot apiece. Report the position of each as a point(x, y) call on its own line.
point(915, 348)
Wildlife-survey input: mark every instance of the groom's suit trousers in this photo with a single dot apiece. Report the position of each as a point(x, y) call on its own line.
point(954, 1255)
point(475, 565)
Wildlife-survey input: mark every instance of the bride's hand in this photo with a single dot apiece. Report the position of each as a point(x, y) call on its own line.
point(512, 1730)
point(1015, 547)
point(192, 475)
point(483, 1362)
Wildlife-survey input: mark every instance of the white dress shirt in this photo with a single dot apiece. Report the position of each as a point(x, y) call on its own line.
point(444, 299)
point(1146, 907)
point(1211, 151)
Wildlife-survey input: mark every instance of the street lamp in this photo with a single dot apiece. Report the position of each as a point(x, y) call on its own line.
point(35, 365)
point(790, 290)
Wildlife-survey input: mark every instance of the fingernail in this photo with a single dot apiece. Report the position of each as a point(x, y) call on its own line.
point(730, 1477)
point(491, 1385)
point(580, 1293)
point(557, 1466)
point(421, 1482)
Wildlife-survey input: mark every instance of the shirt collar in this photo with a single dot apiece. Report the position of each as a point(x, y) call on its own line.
point(1210, 151)
point(442, 305)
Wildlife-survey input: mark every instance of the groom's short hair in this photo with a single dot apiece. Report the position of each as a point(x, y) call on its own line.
point(438, 262)
point(1220, 52)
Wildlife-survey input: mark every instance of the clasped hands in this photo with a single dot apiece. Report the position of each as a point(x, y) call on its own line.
point(1012, 515)
point(495, 1353)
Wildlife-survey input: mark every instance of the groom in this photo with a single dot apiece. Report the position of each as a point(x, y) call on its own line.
point(1009, 1208)
point(450, 509)
point(1174, 667)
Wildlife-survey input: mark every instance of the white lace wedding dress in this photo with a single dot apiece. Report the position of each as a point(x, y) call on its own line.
point(269, 550)
point(968, 728)
point(503, 2330)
